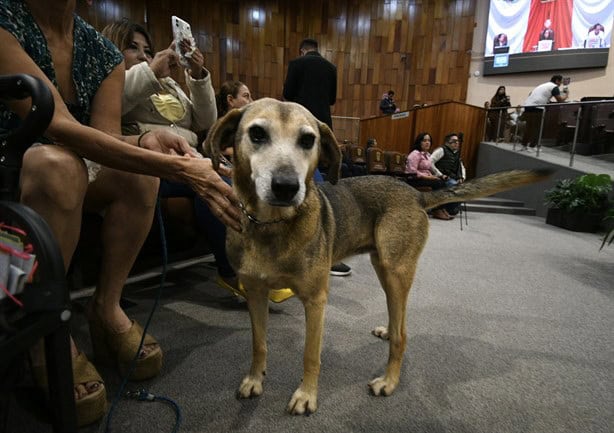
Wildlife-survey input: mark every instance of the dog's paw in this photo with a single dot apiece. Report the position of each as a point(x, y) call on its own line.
point(381, 332)
point(250, 387)
point(303, 402)
point(382, 386)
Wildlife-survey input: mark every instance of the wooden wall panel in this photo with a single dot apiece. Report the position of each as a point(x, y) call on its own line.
point(419, 48)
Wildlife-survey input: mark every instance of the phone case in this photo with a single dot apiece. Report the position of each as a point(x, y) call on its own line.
point(181, 31)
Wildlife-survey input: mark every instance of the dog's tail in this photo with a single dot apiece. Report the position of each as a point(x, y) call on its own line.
point(483, 186)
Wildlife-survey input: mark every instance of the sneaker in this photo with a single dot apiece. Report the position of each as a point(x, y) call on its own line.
point(340, 270)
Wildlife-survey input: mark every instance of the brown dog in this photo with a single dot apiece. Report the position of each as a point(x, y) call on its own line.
point(294, 230)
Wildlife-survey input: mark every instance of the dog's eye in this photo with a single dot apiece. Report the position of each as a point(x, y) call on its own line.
point(306, 141)
point(258, 135)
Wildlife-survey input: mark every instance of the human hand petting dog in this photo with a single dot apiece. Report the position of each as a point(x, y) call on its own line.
point(220, 197)
point(198, 172)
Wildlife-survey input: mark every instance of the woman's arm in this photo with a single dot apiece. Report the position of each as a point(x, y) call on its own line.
point(112, 152)
point(140, 84)
point(411, 164)
point(436, 156)
point(202, 95)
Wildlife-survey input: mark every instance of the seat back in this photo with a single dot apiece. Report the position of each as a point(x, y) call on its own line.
point(568, 115)
point(375, 161)
point(395, 162)
point(357, 154)
point(602, 117)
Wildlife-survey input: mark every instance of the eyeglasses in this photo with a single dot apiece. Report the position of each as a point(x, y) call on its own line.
point(455, 141)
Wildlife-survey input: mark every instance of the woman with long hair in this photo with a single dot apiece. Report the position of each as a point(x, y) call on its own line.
point(232, 94)
point(119, 179)
point(419, 167)
point(499, 118)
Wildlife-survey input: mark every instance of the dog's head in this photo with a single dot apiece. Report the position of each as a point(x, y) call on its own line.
point(277, 146)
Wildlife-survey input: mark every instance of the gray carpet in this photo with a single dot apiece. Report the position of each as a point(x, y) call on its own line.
point(510, 329)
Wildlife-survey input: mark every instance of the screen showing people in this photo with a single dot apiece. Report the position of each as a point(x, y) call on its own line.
point(536, 26)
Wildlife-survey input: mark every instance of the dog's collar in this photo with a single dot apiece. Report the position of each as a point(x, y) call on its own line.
point(255, 220)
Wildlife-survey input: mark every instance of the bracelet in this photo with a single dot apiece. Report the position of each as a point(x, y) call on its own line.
point(138, 142)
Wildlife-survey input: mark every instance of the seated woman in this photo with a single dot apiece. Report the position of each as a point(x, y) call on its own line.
point(419, 167)
point(152, 100)
point(85, 74)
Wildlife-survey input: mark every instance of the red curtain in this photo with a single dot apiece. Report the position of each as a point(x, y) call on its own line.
point(559, 12)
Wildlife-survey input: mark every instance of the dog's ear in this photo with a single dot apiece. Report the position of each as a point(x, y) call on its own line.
point(221, 136)
point(330, 153)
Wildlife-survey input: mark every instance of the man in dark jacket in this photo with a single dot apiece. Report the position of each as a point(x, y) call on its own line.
point(312, 82)
point(387, 105)
point(448, 165)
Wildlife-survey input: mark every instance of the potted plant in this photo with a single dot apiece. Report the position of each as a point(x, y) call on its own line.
point(579, 204)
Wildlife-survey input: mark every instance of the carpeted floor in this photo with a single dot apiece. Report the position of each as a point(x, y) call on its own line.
point(510, 329)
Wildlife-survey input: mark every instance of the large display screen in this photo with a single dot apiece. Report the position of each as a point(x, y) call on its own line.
point(543, 35)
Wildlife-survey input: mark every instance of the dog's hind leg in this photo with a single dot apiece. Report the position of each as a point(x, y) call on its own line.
point(396, 273)
point(305, 398)
point(258, 304)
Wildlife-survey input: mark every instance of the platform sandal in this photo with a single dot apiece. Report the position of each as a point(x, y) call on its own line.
point(93, 406)
point(118, 350)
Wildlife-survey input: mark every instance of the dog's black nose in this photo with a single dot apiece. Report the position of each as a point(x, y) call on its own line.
point(284, 187)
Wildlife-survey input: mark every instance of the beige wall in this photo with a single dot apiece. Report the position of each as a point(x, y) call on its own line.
point(584, 82)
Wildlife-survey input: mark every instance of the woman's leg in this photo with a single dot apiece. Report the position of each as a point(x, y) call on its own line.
point(53, 183)
point(216, 234)
point(438, 212)
point(128, 201)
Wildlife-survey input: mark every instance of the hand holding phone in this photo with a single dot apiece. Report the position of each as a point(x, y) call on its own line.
point(182, 31)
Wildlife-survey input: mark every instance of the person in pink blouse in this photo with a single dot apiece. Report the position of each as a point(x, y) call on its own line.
point(419, 168)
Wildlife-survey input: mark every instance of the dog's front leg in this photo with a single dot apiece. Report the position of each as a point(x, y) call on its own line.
point(305, 398)
point(258, 304)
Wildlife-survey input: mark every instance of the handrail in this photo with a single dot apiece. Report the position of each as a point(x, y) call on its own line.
point(543, 107)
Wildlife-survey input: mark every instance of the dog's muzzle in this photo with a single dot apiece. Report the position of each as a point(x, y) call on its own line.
point(284, 188)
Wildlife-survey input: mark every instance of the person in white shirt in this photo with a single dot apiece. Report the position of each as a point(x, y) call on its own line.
point(539, 97)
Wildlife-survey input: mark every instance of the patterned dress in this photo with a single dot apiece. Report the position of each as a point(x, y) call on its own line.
point(94, 58)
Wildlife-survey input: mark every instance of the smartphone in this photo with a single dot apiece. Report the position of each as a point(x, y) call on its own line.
point(181, 31)
point(566, 81)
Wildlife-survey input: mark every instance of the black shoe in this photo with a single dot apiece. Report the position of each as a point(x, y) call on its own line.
point(340, 270)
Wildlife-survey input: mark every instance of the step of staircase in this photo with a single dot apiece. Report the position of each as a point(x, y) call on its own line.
point(499, 205)
point(497, 201)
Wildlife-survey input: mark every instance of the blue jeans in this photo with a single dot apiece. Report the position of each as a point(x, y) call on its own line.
point(452, 208)
point(207, 222)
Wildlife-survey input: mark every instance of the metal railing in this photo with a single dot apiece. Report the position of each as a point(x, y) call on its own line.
point(542, 110)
